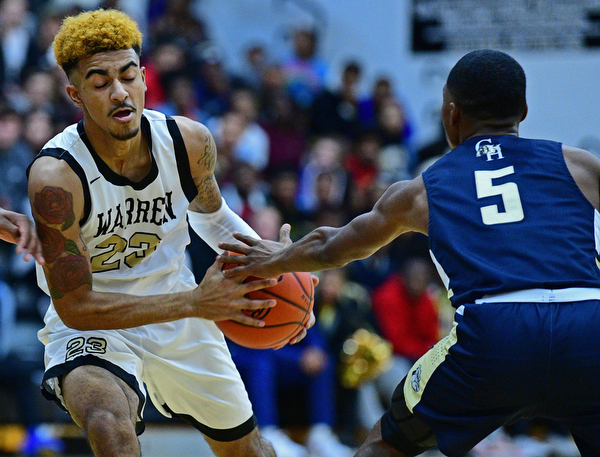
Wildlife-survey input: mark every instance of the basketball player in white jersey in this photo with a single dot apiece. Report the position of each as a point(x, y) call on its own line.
point(110, 198)
point(17, 228)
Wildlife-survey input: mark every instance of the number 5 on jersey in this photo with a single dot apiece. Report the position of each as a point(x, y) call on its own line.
point(513, 209)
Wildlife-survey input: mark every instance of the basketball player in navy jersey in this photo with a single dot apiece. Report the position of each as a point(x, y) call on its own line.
point(17, 228)
point(513, 227)
point(111, 198)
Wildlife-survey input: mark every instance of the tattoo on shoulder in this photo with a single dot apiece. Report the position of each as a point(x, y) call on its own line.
point(55, 206)
point(208, 158)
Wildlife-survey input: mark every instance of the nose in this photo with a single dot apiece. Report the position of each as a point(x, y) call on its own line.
point(118, 94)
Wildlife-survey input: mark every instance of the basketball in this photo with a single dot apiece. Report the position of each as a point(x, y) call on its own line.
point(295, 299)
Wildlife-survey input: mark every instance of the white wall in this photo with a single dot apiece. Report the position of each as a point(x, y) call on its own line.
point(563, 88)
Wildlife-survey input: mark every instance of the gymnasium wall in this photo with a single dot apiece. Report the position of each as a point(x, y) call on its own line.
point(563, 85)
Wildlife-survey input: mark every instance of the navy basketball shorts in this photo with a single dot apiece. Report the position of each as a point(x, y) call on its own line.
point(502, 362)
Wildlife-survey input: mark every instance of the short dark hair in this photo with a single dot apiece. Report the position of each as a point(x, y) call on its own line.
point(487, 85)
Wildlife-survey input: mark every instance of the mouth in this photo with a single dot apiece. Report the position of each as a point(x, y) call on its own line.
point(123, 114)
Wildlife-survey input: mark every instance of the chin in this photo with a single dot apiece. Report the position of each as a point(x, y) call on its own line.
point(127, 135)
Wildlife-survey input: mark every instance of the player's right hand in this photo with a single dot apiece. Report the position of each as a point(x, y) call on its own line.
point(220, 298)
point(19, 229)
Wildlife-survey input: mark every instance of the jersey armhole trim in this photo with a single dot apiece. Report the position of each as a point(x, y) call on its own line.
point(62, 154)
point(183, 164)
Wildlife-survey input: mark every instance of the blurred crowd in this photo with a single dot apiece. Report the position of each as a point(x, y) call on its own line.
point(291, 148)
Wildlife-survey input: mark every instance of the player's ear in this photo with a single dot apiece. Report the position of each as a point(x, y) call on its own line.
point(74, 95)
point(143, 73)
point(525, 111)
point(454, 113)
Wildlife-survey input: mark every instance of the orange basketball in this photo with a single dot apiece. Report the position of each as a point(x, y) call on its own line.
point(295, 299)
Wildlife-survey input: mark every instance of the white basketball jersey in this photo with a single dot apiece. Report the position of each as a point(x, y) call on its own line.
point(136, 232)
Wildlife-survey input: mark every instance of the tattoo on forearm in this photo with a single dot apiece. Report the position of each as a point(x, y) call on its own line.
point(208, 194)
point(68, 273)
point(55, 206)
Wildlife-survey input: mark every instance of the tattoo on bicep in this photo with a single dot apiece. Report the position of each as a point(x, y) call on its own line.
point(209, 156)
point(55, 206)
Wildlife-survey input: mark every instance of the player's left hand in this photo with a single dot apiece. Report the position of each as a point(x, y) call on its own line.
point(309, 323)
point(300, 336)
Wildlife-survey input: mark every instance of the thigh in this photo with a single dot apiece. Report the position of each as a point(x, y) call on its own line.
point(71, 355)
point(88, 389)
point(194, 377)
point(484, 374)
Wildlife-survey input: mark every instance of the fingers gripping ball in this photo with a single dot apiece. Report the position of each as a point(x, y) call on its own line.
point(295, 299)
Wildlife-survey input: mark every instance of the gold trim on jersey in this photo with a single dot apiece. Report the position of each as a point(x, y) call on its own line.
point(422, 370)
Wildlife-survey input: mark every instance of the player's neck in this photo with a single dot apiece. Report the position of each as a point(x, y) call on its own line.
point(490, 129)
point(129, 158)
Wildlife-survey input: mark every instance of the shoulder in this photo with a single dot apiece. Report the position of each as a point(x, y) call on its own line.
point(198, 140)
point(52, 171)
point(585, 170)
point(406, 201)
point(580, 156)
point(192, 130)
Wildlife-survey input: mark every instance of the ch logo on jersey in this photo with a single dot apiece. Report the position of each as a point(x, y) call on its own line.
point(486, 148)
point(415, 379)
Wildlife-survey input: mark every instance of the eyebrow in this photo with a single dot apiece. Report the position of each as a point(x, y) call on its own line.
point(98, 71)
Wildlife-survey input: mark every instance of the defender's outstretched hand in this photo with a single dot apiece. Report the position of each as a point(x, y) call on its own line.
point(18, 229)
point(257, 255)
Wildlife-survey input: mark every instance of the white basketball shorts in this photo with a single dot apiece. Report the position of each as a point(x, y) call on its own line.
point(184, 366)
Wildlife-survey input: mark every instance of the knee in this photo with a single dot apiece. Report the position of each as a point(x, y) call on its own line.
point(107, 426)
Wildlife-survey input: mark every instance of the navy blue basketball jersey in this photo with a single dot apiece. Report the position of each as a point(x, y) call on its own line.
point(505, 214)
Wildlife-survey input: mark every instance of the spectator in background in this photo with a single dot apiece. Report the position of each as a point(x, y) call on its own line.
point(17, 44)
point(362, 164)
point(371, 106)
point(227, 132)
point(15, 157)
point(305, 73)
point(324, 159)
point(341, 308)
point(287, 140)
point(176, 18)
point(253, 146)
point(181, 99)
point(245, 192)
point(42, 56)
point(396, 157)
point(431, 151)
point(249, 142)
point(254, 67)
point(283, 188)
point(336, 112)
point(39, 128)
point(373, 270)
point(38, 92)
point(214, 83)
point(167, 59)
point(406, 312)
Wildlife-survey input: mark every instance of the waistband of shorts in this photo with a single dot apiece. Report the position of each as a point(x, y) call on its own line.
point(569, 294)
